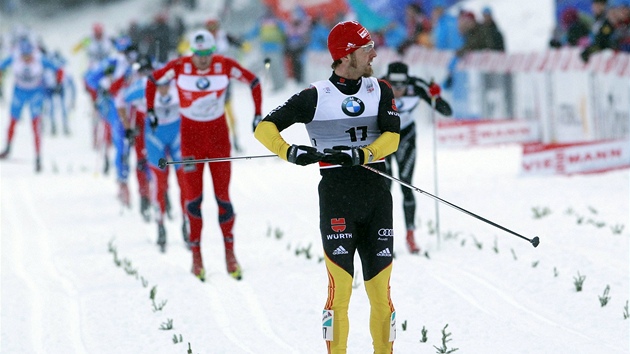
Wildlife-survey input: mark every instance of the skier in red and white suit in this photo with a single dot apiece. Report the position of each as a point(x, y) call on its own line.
point(202, 79)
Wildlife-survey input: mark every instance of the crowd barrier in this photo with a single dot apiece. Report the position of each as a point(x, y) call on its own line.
point(550, 101)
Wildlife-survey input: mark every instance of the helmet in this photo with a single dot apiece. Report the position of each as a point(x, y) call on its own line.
point(97, 28)
point(202, 43)
point(26, 46)
point(212, 24)
point(122, 43)
point(346, 37)
point(397, 73)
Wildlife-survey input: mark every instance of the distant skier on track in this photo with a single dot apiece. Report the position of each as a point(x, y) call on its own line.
point(202, 80)
point(29, 66)
point(408, 92)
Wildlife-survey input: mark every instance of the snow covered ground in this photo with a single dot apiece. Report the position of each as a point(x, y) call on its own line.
point(62, 230)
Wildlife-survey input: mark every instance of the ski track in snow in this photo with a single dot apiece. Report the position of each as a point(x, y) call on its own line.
point(502, 302)
point(225, 294)
point(37, 267)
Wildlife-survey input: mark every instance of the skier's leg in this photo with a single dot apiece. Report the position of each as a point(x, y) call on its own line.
point(17, 103)
point(375, 250)
point(335, 322)
point(191, 139)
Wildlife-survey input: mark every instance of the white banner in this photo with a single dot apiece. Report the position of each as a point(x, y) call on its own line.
point(458, 133)
point(567, 159)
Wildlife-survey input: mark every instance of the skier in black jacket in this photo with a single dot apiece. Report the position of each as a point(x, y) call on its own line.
point(408, 92)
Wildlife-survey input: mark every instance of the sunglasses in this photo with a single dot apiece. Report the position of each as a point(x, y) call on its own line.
point(205, 52)
point(366, 47)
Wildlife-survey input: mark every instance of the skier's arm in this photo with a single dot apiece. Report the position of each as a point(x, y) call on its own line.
point(388, 123)
point(5, 63)
point(163, 74)
point(440, 104)
point(300, 108)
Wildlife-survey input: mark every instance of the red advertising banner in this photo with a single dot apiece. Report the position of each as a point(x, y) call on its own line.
point(567, 159)
point(465, 133)
point(328, 9)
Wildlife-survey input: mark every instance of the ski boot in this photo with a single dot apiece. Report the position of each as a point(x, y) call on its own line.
point(168, 207)
point(411, 243)
point(233, 268)
point(123, 194)
point(6, 152)
point(145, 208)
point(197, 267)
point(161, 241)
point(186, 234)
point(106, 166)
point(38, 164)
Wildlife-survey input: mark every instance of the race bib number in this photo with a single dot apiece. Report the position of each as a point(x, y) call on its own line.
point(205, 107)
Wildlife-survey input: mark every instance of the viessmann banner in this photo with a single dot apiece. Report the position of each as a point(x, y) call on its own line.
point(567, 159)
point(467, 133)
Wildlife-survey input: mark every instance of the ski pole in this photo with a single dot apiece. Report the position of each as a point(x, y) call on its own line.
point(435, 171)
point(162, 163)
point(534, 241)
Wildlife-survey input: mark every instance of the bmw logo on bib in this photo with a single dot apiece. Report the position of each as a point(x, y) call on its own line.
point(165, 99)
point(352, 106)
point(203, 83)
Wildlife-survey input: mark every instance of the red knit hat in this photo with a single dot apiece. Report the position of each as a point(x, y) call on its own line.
point(346, 37)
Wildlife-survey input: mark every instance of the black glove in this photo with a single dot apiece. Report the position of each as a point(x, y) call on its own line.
point(153, 119)
point(102, 92)
point(448, 83)
point(130, 135)
point(303, 155)
point(586, 54)
point(344, 156)
point(57, 89)
point(109, 69)
point(256, 121)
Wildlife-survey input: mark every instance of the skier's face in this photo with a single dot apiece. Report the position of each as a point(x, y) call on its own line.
point(399, 90)
point(361, 61)
point(201, 62)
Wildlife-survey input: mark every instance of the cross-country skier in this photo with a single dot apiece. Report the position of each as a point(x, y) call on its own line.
point(29, 66)
point(202, 79)
point(352, 121)
point(163, 139)
point(60, 96)
point(99, 82)
point(132, 108)
point(408, 92)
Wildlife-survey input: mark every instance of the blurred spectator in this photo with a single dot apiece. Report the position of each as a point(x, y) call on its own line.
point(161, 44)
point(621, 35)
point(297, 33)
point(603, 38)
point(418, 28)
point(472, 32)
point(320, 28)
point(598, 9)
point(445, 34)
point(474, 39)
point(494, 37)
point(270, 32)
point(98, 46)
point(223, 39)
point(572, 31)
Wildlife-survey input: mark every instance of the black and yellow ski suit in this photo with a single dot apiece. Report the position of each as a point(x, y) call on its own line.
point(355, 203)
